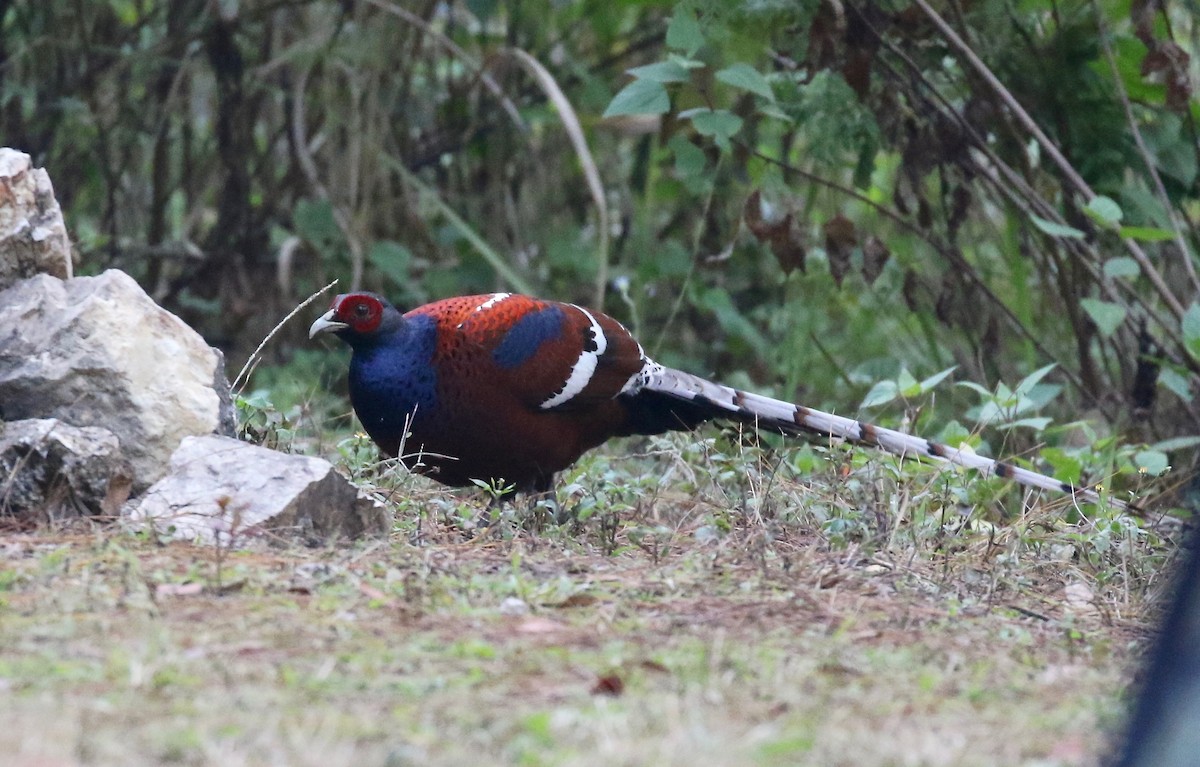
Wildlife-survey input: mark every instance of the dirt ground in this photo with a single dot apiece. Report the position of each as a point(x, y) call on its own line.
point(119, 648)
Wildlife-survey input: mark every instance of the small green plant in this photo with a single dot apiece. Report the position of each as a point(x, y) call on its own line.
point(1009, 408)
point(261, 423)
point(496, 490)
point(360, 457)
point(904, 387)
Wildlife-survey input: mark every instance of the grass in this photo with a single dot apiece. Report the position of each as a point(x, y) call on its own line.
point(707, 602)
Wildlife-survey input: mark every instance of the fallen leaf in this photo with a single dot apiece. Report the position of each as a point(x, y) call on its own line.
point(1070, 750)
point(538, 625)
point(370, 592)
point(178, 589)
point(609, 684)
point(230, 588)
point(655, 666)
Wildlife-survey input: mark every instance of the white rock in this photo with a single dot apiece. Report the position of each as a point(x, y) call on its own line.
point(97, 351)
point(33, 236)
point(221, 490)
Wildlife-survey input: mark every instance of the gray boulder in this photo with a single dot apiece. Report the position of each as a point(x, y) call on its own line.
point(97, 351)
point(33, 236)
point(51, 471)
point(221, 490)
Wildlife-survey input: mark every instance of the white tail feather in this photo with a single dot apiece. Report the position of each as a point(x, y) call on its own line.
point(789, 418)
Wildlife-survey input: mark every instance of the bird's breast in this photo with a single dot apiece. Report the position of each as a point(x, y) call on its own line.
point(392, 382)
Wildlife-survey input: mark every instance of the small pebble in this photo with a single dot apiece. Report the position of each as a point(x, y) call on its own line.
point(513, 606)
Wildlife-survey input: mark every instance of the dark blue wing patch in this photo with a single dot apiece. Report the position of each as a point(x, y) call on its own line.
point(527, 335)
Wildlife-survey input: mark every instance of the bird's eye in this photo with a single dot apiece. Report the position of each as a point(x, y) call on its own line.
point(362, 310)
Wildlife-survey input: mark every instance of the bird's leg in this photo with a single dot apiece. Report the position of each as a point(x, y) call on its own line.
point(541, 508)
point(499, 494)
point(542, 504)
point(488, 521)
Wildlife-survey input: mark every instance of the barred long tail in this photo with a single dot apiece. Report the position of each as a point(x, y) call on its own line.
point(767, 413)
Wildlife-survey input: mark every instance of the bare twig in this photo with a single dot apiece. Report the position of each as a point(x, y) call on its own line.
point(245, 371)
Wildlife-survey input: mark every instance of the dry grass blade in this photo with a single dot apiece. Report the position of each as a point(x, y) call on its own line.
point(244, 373)
point(570, 122)
point(477, 241)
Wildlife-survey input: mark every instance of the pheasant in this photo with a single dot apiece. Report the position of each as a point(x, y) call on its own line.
point(511, 389)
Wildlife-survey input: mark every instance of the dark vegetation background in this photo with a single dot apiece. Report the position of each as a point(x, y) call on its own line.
point(812, 199)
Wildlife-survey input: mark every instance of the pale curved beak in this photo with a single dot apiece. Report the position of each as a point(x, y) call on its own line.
point(326, 324)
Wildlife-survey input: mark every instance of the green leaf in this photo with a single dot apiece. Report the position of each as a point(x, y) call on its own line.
point(259, 399)
point(1107, 316)
point(686, 62)
point(881, 393)
point(690, 160)
point(1178, 443)
point(683, 31)
point(720, 124)
point(1066, 466)
point(1123, 266)
point(315, 224)
point(1175, 383)
point(718, 301)
point(1105, 210)
point(392, 260)
point(747, 78)
point(483, 9)
point(662, 72)
point(978, 389)
point(1173, 149)
point(1056, 230)
point(1037, 397)
point(1146, 233)
point(770, 110)
point(954, 433)
point(1191, 329)
point(1152, 462)
point(937, 378)
point(1028, 382)
point(126, 11)
point(640, 97)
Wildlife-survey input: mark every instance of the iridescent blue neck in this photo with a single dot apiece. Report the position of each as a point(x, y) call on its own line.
point(391, 376)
